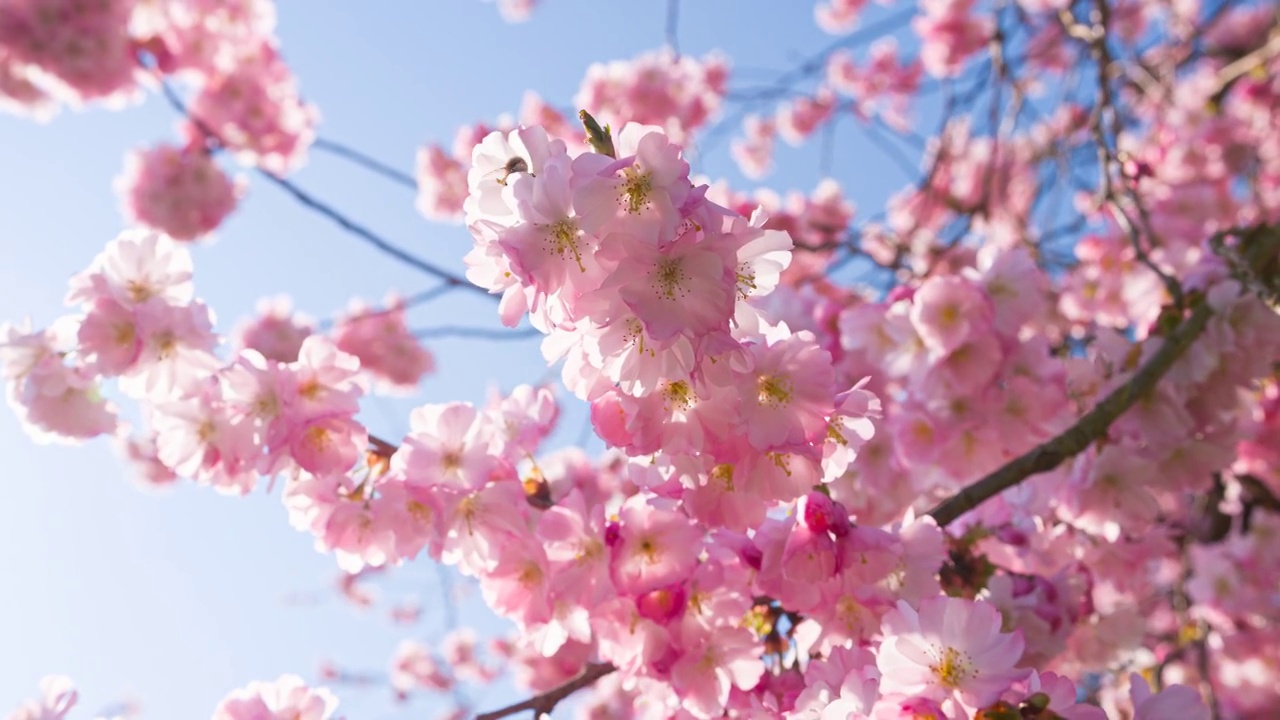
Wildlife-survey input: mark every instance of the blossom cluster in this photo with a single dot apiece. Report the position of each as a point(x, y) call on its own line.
point(246, 98)
point(286, 698)
point(179, 191)
point(289, 408)
point(718, 537)
point(678, 93)
point(754, 541)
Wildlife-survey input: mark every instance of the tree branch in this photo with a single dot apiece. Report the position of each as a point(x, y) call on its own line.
point(368, 163)
point(461, 331)
point(405, 303)
point(302, 196)
point(1092, 426)
point(1258, 249)
point(673, 26)
point(543, 704)
point(370, 237)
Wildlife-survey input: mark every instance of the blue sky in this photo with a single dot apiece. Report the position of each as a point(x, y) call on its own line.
point(176, 598)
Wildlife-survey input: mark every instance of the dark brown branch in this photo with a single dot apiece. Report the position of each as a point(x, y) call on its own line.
point(543, 704)
point(1257, 254)
point(1092, 426)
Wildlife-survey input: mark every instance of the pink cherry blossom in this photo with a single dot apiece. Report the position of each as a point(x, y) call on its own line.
point(947, 311)
point(838, 16)
point(414, 668)
point(788, 396)
point(951, 649)
point(58, 697)
point(754, 151)
point(382, 342)
point(1175, 701)
point(448, 445)
point(950, 33)
point(441, 183)
point(276, 332)
point(137, 266)
point(255, 111)
point(179, 191)
point(714, 661)
point(800, 118)
point(287, 698)
point(655, 546)
point(677, 93)
point(56, 402)
point(52, 37)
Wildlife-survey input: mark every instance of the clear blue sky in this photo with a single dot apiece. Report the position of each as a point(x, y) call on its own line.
point(177, 598)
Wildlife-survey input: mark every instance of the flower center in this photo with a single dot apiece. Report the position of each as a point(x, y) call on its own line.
point(636, 186)
point(451, 461)
point(774, 390)
point(746, 281)
point(949, 315)
point(140, 291)
point(649, 549)
point(562, 240)
point(849, 612)
point(166, 344)
point(125, 333)
point(419, 512)
point(669, 278)
point(318, 438)
point(679, 396)
point(266, 405)
point(953, 667)
point(206, 431)
point(724, 475)
point(310, 389)
point(530, 575)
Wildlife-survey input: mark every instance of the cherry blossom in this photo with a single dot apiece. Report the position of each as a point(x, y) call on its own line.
point(287, 697)
point(180, 192)
point(800, 402)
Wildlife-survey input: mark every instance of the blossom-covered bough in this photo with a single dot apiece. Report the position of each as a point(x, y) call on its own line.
point(1008, 449)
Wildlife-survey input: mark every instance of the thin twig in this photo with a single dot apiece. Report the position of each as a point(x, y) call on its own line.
point(1104, 121)
point(445, 331)
point(1252, 61)
point(368, 163)
point(311, 202)
point(370, 237)
point(543, 704)
point(807, 67)
point(826, 154)
point(419, 298)
point(673, 26)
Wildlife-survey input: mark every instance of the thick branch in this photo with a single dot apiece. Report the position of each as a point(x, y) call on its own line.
point(543, 704)
point(1257, 257)
point(1092, 426)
